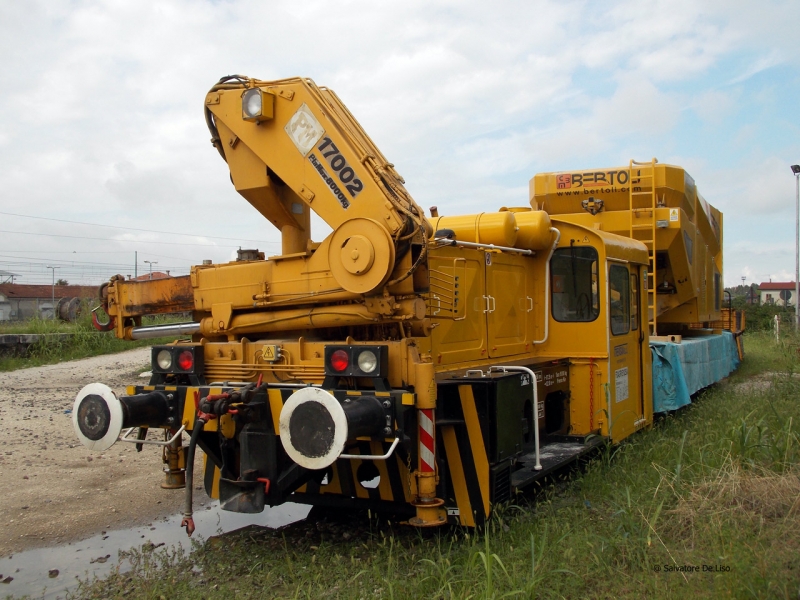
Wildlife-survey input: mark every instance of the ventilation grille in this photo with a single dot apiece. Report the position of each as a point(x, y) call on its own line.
point(501, 483)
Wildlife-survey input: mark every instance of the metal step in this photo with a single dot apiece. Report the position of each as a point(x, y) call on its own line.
point(551, 456)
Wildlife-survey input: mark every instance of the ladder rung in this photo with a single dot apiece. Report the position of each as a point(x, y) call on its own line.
point(645, 226)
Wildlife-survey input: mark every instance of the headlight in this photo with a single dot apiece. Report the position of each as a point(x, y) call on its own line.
point(367, 361)
point(251, 103)
point(164, 360)
point(257, 105)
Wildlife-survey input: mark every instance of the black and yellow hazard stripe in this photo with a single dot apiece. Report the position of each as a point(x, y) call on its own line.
point(466, 459)
point(343, 479)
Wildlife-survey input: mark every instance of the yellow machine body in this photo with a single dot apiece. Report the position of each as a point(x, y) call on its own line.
point(659, 205)
point(563, 289)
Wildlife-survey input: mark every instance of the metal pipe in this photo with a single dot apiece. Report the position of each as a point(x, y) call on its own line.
point(538, 465)
point(448, 242)
point(374, 456)
point(547, 290)
point(282, 320)
point(146, 333)
point(124, 437)
point(188, 521)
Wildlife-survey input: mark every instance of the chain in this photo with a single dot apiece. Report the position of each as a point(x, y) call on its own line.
point(591, 394)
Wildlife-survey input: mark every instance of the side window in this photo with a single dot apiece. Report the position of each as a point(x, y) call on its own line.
point(619, 299)
point(574, 284)
point(634, 302)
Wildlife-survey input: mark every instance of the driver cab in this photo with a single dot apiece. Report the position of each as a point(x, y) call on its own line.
point(597, 289)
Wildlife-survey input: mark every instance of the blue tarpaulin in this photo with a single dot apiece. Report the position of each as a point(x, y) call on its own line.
point(680, 370)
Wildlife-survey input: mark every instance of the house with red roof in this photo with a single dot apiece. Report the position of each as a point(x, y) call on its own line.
point(779, 293)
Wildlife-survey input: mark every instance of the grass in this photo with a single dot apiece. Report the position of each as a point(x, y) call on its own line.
point(703, 505)
point(83, 341)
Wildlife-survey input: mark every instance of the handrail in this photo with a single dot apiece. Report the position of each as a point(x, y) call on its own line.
point(535, 424)
point(449, 242)
point(374, 456)
point(547, 288)
point(124, 437)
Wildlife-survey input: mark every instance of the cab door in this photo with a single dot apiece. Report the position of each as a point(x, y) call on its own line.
point(509, 303)
point(625, 338)
point(458, 305)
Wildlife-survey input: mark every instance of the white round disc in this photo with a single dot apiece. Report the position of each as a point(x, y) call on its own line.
point(333, 441)
point(115, 420)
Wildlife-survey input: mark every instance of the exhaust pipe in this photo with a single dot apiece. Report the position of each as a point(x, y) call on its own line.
point(315, 426)
point(98, 416)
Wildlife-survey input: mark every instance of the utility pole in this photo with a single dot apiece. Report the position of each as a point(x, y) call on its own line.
point(796, 171)
point(151, 263)
point(53, 270)
point(135, 264)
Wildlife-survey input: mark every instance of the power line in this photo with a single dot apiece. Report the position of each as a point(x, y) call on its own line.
point(71, 251)
point(140, 242)
point(20, 259)
point(59, 260)
point(216, 237)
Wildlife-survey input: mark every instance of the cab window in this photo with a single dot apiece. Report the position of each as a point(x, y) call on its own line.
point(573, 284)
point(619, 299)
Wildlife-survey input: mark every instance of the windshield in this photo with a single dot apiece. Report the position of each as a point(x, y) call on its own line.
point(573, 284)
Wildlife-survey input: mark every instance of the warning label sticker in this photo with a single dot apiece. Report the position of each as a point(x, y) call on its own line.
point(621, 378)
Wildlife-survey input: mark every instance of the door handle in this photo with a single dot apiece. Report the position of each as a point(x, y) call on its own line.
point(530, 303)
point(438, 305)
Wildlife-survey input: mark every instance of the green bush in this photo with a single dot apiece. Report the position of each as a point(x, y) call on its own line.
point(81, 340)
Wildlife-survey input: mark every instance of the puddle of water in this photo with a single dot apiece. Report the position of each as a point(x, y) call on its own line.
point(30, 569)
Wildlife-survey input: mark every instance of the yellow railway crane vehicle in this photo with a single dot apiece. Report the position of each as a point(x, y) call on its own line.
point(425, 367)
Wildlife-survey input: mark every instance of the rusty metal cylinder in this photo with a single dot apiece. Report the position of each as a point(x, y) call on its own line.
point(498, 228)
point(68, 309)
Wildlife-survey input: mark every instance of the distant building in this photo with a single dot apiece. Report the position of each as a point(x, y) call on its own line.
point(19, 301)
point(8, 277)
point(149, 276)
point(779, 293)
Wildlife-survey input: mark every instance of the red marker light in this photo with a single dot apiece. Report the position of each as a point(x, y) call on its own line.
point(186, 360)
point(339, 360)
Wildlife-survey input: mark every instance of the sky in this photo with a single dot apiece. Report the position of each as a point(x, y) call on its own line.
point(106, 162)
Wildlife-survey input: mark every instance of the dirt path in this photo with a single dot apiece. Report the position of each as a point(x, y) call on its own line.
point(56, 490)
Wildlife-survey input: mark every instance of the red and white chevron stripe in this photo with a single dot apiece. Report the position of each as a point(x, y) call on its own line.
point(426, 441)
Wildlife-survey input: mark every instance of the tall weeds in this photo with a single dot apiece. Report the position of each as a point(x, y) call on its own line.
point(66, 341)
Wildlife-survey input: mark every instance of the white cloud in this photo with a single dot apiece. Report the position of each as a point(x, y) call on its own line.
point(713, 106)
point(102, 112)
